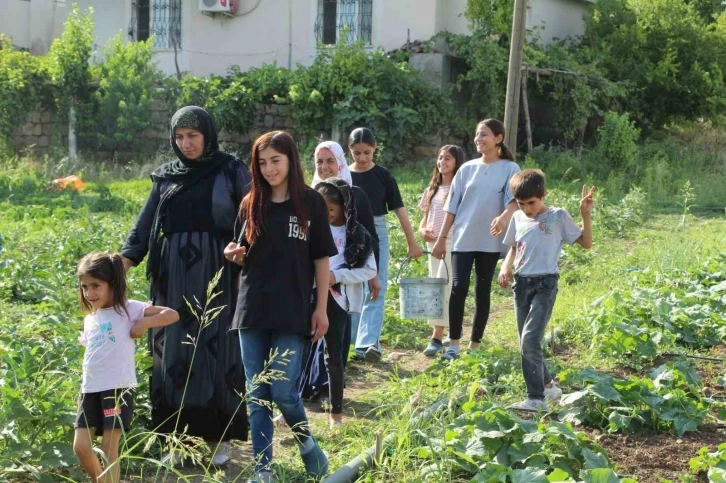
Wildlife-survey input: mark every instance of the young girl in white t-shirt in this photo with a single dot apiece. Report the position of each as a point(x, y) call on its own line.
point(450, 159)
point(106, 403)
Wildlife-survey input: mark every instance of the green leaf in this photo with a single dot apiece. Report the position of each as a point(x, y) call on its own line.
point(605, 392)
point(520, 452)
point(594, 460)
point(574, 416)
point(600, 475)
point(619, 422)
point(492, 473)
point(572, 398)
point(558, 475)
point(683, 424)
point(529, 475)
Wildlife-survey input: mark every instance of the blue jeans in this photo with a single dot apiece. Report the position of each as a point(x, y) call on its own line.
point(534, 299)
point(258, 345)
point(367, 326)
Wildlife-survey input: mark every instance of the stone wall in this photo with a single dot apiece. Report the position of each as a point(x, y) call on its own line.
point(41, 130)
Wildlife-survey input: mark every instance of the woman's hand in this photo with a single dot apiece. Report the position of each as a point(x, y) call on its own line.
point(127, 263)
point(439, 250)
point(319, 325)
point(235, 253)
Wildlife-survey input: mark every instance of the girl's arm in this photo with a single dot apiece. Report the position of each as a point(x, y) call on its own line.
point(414, 251)
point(319, 324)
point(439, 250)
point(429, 237)
point(348, 276)
point(499, 224)
point(154, 316)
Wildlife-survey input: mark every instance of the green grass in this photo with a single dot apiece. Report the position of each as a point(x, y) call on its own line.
point(46, 233)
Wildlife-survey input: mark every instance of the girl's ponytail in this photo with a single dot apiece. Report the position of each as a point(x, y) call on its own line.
point(505, 153)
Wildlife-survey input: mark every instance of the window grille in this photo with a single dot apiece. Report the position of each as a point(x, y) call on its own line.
point(161, 18)
point(344, 21)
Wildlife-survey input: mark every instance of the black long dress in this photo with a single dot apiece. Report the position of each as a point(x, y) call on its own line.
point(195, 226)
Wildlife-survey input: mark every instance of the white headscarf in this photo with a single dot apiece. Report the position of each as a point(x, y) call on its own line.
point(343, 169)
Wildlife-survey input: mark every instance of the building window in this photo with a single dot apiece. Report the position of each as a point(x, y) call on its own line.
point(160, 18)
point(344, 21)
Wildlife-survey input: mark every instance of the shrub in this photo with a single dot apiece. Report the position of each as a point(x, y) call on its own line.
point(125, 94)
point(24, 80)
point(617, 142)
point(349, 87)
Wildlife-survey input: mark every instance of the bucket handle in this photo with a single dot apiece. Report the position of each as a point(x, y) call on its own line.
point(408, 260)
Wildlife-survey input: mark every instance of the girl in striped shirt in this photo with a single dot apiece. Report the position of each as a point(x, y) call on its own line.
point(451, 157)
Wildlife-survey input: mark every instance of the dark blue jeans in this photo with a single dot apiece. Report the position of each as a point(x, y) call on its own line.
point(534, 299)
point(258, 347)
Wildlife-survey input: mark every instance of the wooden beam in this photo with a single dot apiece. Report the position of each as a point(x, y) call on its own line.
point(514, 76)
point(525, 105)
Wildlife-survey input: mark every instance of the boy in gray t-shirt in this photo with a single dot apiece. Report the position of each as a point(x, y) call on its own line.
point(536, 234)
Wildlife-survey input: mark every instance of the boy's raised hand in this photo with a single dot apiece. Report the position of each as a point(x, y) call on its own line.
point(587, 200)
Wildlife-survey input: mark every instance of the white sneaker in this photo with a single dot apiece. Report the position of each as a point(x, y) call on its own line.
point(221, 457)
point(553, 394)
point(532, 405)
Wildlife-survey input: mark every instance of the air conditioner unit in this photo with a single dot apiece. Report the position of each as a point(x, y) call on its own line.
point(216, 6)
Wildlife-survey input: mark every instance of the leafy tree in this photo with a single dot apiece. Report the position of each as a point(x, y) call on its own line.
point(673, 60)
point(69, 56)
point(125, 93)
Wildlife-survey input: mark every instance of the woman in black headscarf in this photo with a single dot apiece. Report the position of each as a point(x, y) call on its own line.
point(184, 226)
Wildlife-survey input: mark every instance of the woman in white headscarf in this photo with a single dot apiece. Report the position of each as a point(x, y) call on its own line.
point(330, 162)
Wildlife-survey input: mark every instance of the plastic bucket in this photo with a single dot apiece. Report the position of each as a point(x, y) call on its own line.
point(422, 298)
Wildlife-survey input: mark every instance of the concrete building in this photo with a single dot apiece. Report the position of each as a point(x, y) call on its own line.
point(262, 31)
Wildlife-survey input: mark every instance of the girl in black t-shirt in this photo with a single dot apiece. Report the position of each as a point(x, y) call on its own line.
point(383, 193)
point(285, 245)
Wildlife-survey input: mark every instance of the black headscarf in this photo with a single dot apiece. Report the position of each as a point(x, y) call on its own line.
point(358, 241)
point(184, 173)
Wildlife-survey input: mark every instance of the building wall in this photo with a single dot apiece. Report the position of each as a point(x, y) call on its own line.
point(17, 30)
point(450, 17)
point(266, 34)
point(559, 18)
point(32, 25)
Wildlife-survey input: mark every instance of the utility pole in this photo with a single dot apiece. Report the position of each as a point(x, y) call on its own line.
point(514, 77)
